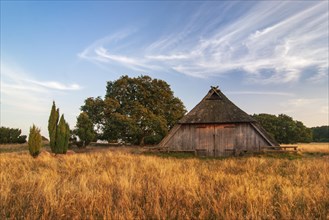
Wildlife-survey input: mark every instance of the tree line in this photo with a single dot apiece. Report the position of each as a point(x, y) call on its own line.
point(284, 128)
point(320, 134)
point(11, 136)
point(141, 111)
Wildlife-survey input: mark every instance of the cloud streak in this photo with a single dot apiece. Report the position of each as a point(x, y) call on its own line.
point(23, 92)
point(270, 42)
point(16, 78)
point(262, 93)
point(56, 85)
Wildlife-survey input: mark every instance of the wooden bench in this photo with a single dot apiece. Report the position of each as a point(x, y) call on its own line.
point(289, 147)
point(280, 149)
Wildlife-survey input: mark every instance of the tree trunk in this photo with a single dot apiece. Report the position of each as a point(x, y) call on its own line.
point(141, 142)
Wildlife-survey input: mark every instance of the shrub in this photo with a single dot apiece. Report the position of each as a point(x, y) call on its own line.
point(21, 139)
point(35, 141)
point(153, 139)
point(80, 144)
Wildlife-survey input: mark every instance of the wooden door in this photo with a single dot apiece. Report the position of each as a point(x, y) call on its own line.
point(224, 139)
point(205, 140)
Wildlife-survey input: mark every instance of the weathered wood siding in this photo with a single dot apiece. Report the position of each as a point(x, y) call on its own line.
point(216, 139)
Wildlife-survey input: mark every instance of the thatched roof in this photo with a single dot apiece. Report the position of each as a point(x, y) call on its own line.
point(216, 108)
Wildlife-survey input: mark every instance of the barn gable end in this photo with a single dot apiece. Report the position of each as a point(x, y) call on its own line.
point(216, 126)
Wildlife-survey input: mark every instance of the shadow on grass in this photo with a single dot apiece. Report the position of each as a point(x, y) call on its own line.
point(180, 155)
point(170, 155)
point(315, 154)
point(289, 156)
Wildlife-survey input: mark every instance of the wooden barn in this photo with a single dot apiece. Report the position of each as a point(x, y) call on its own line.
point(217, 127)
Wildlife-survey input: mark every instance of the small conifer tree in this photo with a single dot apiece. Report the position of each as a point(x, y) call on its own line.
point(52, 126)
point(62, 136)
point(59, 132)
point(35, 141)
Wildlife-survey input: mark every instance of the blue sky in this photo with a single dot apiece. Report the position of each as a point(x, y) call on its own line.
point(266, 56)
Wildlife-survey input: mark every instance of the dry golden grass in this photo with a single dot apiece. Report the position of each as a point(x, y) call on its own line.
point(314, 147)
point(116, 185)
point(13, 147)
point(17, 147)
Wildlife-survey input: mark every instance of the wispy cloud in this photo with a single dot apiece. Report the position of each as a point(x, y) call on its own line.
point(22, 91)
point(105, 52)
point(262, 93)
point(87, 53)
point(271, 42)
point(56, 85)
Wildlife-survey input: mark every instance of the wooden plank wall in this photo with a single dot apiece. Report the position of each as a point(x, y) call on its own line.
point(216, 139)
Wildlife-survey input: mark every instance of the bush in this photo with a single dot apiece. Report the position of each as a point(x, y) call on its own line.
point(35, 141)
point(153, 139)
point(21, 139)
point(80, 144)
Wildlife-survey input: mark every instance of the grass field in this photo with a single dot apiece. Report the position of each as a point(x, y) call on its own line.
point(314, 147)
point(126, 185)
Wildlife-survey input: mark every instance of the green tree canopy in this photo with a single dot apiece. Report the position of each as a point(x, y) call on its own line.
point(135, 110)
point(284, 129)
point(321, 133)
point(84, 129)
point(94, 107)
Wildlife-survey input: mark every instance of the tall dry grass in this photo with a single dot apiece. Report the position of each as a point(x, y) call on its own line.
point(114, 185)
point(314, 147)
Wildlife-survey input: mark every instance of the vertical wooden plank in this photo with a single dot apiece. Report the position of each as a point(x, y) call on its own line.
point(205, 138)
point(216, 138)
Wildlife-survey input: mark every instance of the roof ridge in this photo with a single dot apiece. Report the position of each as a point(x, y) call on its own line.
point(216, 110)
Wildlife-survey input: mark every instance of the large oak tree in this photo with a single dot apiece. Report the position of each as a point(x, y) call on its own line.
point(136, 110)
